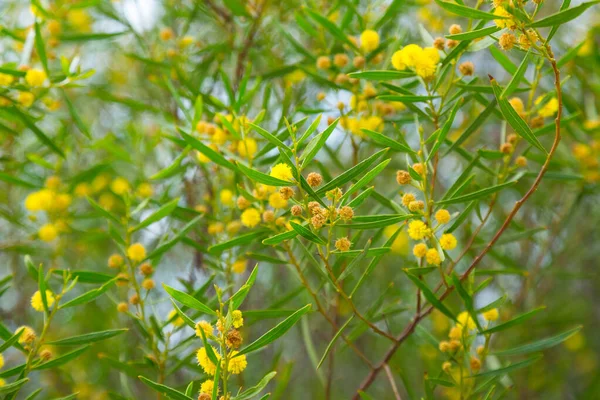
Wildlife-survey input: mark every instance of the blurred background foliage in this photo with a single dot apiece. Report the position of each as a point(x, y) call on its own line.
point(125, 74)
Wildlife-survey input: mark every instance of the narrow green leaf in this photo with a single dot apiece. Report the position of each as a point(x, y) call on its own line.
point(349, 174)
point(387, 142)
point(157, 215)
point(307, 233)
point(539, 345)
point(89, 296)
point(163, 389)
point(564, 16)
point(237, 241)
point(406, 98)
point(475, 34)
point(87, 338)
point(256, 389)
point(316, 143)
point(385, 75)
point(263, 178)
point(467, 11)
point(431, 297)
point(13, 386)
point(333, 340)
point(510, 368)
point(188, 300)
point(476, 195)
point(513, 322)
point(37, 132)
point(276, 332)
point(514, 82)
point(62, 359)
point(207, 151)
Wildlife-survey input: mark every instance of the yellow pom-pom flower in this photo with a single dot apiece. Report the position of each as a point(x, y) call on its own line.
point(420, 250)
point(369, 40)
point(282, 171)
point(507, 22)
point(237, 319)
point(120, 186)
point(48, 233)
point(226, 197)
point(448, 241)
point(35, 77)
point(250, 217)
point(276, 201)
point(237, 364)
point(417, 230)
point(491, 315)
point(433, 257)
point(442, 216)
point(37, 304)
point(136, 252)
point(247, 147)
point(208, 366)
point(207, 387)
point(465, 321)
point(177, 321)
point(206, 327)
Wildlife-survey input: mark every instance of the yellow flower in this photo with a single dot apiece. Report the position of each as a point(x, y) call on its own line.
point(219, 137)
point(406, 57)
point(491, 315)
point(276, 201)
point(206, 327)
point(508, 22)
point(238, 320)
point(120, 186)
point(28, 334)
point(83, 189)
point(464, 320)
point(426, 62)
point(35, 77)
point(6, 79)
point(144, 190)
point(417, 230)
point(448, 241)
point(36, 302)
point(250, 217)
point(247, 147)
point(518, 105)
point(226, 197)
point(548, 109)
point(136, 252)
point(107, 201)
point(455, 333)
point(239, 266)
point(26, 99)
point(237, 364)
point(420, 250)
point(442, 216)
point(177, 321)
point(1, 360)
point(208, 366)
point(433, 257)
point(79, 19)
point(48, 233)
point(282, 171)
point(369, 40)
point(39, 201)
point(2, 382)
point(207, 387)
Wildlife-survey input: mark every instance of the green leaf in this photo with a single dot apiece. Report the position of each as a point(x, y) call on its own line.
point(86, 37)
point(238, 298)
point(276, 332)
point(89, 296)
point(183, 315)
point(173, 168)
point(564, 16)
point(237, 7)
point(333, 340)
point(445, 129)
point(349, 174)
point(514, 82)
point(88, 338)
point(212, 155)
point(513, 322)
point(476, 195)
point(157, 215)
point(263, 178)
point(62, 359)
point(280, 237)
point(355, 262)
point(270, 137)
point(255, 390)
point(13, 386)
point(37, 132)
point(431, 297)
point(237, 241)
point(474, 34)
point(406, 98)
point(11, 340)
point(188, 300)
point(307, 233)
point(514, 119)
point(385, 75)
point(103, 212)
point(539, 345)
point(84, 276)
point(42, 288)
point(387, 142)
point(467, 11)
point(163, 389)
point(510, 368)
point(316, 143)
point(40, 48)
point(375, 221)
point(466, 298)
point(75, 115)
